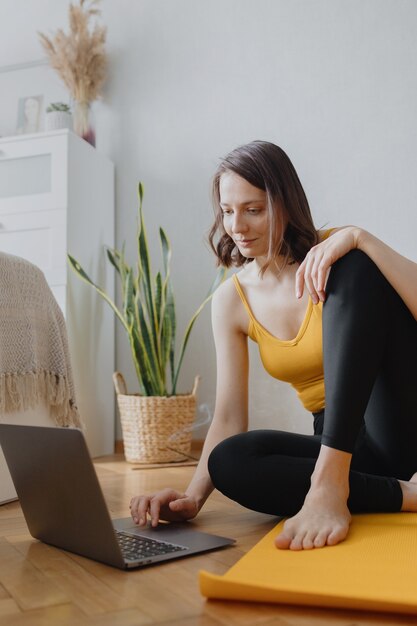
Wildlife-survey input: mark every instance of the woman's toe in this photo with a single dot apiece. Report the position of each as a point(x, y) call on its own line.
point(320, 540)
point(308, 541)
point(297, 542)
point(284, 539)
point(336, 536)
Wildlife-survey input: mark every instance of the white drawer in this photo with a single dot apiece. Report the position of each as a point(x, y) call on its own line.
point(39, 237)
point(33, 172)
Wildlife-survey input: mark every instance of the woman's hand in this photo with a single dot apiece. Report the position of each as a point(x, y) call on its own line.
point(167, 504)
point(314, 270)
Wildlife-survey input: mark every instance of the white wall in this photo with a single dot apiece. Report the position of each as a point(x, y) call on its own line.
point(334, 82)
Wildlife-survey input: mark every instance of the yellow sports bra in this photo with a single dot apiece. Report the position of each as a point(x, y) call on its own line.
point(298, 361)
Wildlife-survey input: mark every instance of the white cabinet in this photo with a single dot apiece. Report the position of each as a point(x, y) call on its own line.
point(57, 197)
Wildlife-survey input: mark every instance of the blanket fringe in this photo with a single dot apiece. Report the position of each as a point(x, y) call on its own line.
point(27, 390)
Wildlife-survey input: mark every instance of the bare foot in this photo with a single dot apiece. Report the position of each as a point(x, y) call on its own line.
point(409, 489)
point(323, 520)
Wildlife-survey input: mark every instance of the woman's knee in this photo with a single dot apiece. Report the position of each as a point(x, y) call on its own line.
point(225, 460)
point(355, 278)
point(352, 270)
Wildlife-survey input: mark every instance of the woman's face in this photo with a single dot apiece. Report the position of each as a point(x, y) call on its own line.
point(245, 214)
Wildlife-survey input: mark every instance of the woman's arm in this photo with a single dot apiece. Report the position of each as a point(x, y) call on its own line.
point(231, 409)
point(400, 272)
point(230, 414)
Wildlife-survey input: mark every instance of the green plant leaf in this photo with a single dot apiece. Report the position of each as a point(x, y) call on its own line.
point(114, 258)
point(166, 341)
point(217, 281)
point(141, 191)
point(172, 325)
point(124, 269)
point(141, 362)
point(84, 276)
point(152, 359)
point(158, 297)
point(117, 259)
point(128, 299)
point(148, 310)
point(145, 271)
point(166, 251)
point(140, 351)
point(168, 326)
point(156, 373)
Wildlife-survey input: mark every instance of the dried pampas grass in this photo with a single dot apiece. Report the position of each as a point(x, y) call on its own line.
point(79, 57)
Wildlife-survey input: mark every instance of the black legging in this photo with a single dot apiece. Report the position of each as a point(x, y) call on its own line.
point(370, 373)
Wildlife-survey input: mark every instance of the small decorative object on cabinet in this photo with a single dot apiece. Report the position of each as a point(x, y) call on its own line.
point(157, 422)
point(58, 115)
point(29, 115)
point(81, 62)
point(57, 194)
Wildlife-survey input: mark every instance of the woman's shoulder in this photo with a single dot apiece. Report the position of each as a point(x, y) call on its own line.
point(227, 305)
point(226, 293)
point(228, 288)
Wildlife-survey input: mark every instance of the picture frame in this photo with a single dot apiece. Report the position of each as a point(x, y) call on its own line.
point(29, 113)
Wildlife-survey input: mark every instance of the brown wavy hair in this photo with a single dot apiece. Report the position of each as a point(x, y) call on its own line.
point(266, 166)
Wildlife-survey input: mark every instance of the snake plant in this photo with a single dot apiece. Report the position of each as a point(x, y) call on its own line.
point(148, 311)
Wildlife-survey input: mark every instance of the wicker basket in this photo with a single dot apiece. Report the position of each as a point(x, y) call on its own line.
point(156, 429)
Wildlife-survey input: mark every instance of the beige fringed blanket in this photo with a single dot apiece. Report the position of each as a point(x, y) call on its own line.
point(34, 357)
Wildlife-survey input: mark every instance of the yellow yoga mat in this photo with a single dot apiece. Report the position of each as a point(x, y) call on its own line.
point(375, 568)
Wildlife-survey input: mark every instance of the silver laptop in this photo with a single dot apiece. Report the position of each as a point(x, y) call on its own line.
point(64, 506)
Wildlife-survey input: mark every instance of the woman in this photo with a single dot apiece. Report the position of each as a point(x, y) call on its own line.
point(347, 341)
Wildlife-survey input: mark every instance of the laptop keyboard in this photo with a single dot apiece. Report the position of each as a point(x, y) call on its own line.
point(137, 548)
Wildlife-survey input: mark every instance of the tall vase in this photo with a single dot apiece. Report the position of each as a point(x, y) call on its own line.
point(83, 124)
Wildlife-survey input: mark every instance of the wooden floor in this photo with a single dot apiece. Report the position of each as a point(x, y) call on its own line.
point(42, 585)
